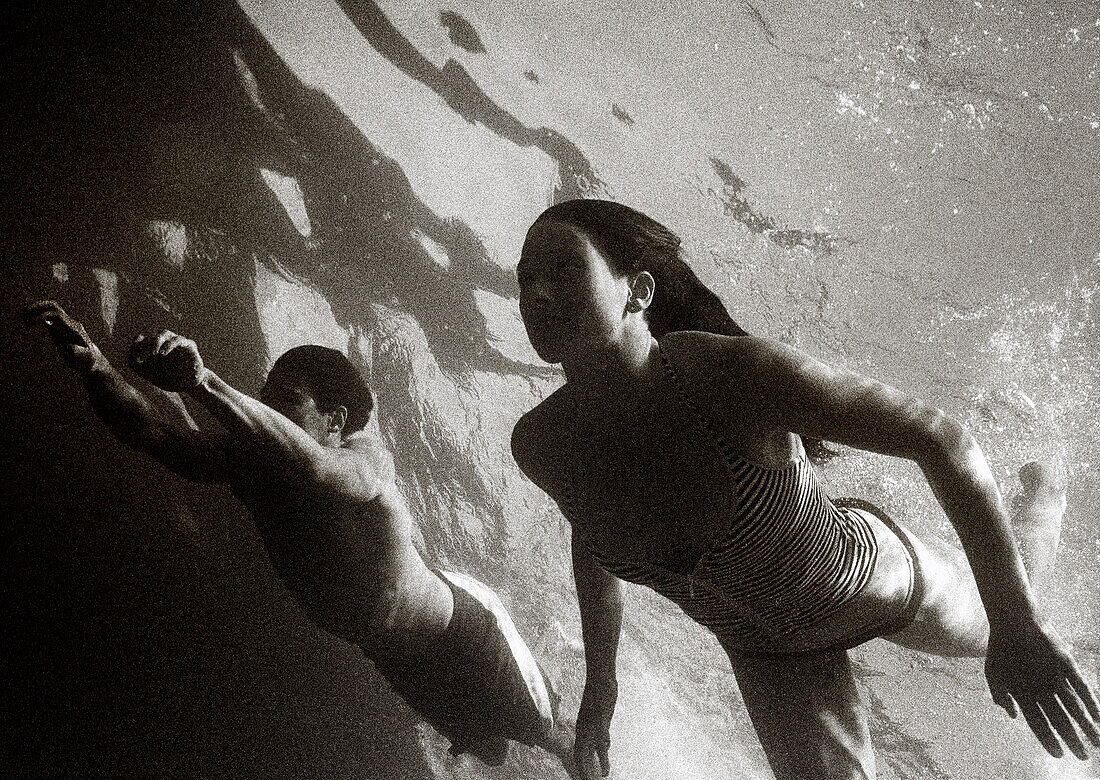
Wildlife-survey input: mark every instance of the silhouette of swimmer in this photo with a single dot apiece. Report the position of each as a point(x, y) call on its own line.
point(322, 494)
point(674, 449)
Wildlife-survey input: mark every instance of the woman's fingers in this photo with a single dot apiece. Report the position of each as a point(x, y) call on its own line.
point(1072, 705)
point(1082, 689)
point(572, 769)
point(591, 754)
point(1057, 717)
point(1037, 721)
point(1002, 698)
point(587, 763)
point(605, 762)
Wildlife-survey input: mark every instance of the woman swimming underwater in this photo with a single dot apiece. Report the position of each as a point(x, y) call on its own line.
point(673, 450)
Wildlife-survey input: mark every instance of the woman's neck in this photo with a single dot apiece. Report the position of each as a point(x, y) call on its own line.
point(622, 362)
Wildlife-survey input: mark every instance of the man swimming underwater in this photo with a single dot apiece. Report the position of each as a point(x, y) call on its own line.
point(321, 491)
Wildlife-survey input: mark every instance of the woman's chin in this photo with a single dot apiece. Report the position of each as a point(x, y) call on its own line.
point(548, 350)
point(549, 355)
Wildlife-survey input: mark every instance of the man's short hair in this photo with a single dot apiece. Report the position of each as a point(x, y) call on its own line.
point(332, 381)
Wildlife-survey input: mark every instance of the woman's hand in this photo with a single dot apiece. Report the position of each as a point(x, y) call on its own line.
point(169, 361)
point(594, 729)
point(1029, 670)
point(73, 343)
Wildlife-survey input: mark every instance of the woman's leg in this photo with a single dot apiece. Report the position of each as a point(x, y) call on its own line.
point(805, 707)
point(808, 714)
point(951, 619)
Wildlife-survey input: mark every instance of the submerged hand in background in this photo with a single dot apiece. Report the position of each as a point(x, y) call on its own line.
point(73, 342)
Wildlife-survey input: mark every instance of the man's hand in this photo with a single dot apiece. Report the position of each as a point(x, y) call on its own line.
point(1029, 670)
point(169, 361)
point(73, 343)
point(594, 730)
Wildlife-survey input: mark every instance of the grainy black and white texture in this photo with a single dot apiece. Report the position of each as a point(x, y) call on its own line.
point(905, 188)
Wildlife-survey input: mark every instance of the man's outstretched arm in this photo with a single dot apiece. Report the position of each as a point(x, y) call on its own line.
point(173, 363)
point(126, 411)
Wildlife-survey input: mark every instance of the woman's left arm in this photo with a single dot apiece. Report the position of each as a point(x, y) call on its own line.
point(1027, 665)
point(798, 393)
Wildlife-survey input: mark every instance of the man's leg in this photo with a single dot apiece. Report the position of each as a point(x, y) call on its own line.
point(509, 696)
point(808, 714)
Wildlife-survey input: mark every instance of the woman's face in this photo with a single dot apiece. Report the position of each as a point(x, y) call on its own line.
point(570, 299)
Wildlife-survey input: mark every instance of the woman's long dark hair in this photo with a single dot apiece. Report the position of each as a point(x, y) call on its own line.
point(633, 242)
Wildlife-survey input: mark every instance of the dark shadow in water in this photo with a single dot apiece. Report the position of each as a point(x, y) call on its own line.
point(618, 112)
point(758, 18)
point(907, 755)
point(366, 250)
point(461, 32)
point(145, 634)
point(152, 637)
point(458, 89)
point(735, 204)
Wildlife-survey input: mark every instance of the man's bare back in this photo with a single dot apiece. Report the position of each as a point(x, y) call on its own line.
point(349, 562)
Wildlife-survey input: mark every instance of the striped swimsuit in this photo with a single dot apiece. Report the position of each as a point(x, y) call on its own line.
point(786, 559)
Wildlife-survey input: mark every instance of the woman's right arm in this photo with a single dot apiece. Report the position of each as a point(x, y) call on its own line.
point(599, 596)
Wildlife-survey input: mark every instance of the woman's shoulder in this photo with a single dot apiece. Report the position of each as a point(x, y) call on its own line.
point(735, 378)
point(730, 353)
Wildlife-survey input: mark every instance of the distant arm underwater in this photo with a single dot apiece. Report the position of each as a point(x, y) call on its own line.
point(172, 362)
point(130, 415)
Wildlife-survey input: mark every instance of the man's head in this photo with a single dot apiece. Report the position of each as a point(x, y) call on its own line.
point(321, 391)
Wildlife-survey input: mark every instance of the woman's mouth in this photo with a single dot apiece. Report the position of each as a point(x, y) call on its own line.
point(544, 321)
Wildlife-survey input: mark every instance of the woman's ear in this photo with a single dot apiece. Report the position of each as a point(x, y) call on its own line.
point(642, 288)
